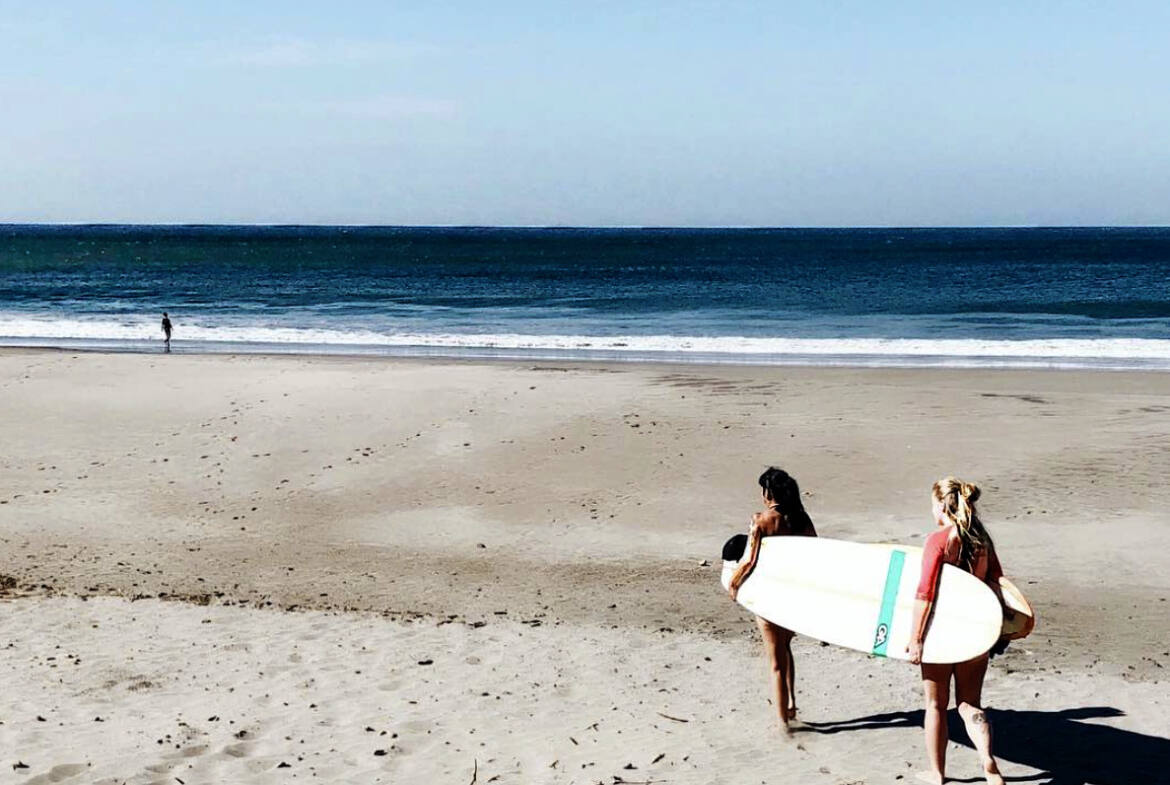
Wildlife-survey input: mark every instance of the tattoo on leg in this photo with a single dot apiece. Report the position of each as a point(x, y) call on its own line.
point(979, 718)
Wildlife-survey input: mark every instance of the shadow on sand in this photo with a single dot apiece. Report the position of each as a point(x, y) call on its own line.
point(1067, 750)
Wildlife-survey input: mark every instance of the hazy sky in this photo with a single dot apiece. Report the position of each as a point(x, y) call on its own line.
point(592, 113)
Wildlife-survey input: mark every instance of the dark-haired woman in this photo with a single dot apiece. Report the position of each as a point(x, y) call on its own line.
point(784, 515)
point(962, 541)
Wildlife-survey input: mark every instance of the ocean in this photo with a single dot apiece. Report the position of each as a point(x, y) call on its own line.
point(1059, 297)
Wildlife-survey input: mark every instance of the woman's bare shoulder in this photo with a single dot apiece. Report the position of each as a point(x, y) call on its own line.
point(769, 523)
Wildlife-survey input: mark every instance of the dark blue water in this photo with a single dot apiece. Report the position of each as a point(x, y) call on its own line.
point(1047, 296)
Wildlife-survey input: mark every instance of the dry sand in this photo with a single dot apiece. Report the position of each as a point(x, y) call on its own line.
point(534, 532)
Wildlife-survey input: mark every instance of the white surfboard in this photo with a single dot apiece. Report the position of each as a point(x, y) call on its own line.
point(1019, 619)
point(861, 596)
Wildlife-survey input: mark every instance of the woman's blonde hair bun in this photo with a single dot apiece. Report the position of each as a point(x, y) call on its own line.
point(958, 505)
point(969, 491)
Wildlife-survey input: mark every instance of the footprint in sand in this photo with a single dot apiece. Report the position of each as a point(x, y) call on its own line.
point(240, 749)
point(419, 726)
point(58, 773)
point(188, 752)
point(259, 765)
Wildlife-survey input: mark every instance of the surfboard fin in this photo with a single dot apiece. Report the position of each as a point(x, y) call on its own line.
point(733, 549)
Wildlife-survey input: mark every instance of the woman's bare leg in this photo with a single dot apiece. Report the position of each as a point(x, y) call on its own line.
point(791, 675)
point(936, 685)
point(969, 697)
point(778, 671)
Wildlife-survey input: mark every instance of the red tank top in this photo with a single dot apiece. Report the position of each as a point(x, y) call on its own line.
point(942, 548)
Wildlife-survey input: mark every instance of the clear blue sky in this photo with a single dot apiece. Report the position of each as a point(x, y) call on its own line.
point(591, 113)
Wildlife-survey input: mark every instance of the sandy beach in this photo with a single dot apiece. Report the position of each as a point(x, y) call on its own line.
point(261, 568)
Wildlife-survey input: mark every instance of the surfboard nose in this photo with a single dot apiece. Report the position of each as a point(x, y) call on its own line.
point(733, 549)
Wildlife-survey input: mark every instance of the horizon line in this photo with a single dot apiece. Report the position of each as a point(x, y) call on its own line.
point(571, 227)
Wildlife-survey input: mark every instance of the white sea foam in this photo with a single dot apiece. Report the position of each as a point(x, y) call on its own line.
point(1064, 352)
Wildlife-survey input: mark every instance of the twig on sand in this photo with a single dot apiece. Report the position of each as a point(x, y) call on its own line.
point(474, 771)
point(676, 719)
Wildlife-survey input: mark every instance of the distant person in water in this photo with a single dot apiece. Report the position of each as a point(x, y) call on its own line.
point(166, 325)
point(784, 516)
point(962, 541)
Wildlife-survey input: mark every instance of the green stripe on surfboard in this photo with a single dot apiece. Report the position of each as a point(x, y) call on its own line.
point(881, 636)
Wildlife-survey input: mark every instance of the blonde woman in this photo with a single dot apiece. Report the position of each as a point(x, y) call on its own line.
point(960, 540)
point(785, 515)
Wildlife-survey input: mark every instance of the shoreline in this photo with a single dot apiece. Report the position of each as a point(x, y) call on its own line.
point(601, 358)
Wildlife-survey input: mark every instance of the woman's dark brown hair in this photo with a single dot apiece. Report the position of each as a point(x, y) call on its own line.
point(785, 495)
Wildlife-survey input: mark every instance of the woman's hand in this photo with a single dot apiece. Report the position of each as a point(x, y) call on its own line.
point(914, 649)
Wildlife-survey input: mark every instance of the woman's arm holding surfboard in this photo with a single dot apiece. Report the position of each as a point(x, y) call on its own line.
point(742, 573)
point(922, 610)
point(933, 558)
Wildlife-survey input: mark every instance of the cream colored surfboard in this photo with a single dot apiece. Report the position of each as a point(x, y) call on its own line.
point(1018, 618)
point(861, 596)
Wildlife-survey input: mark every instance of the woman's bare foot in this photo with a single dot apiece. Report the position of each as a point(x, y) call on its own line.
point(931, 777)
point(791, 713)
